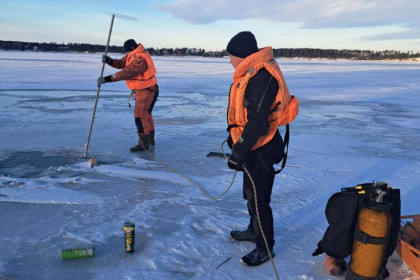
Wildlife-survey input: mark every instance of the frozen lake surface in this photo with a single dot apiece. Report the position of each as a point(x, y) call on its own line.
point(358, 122)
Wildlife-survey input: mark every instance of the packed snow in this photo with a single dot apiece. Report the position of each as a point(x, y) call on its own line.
point(358, 122)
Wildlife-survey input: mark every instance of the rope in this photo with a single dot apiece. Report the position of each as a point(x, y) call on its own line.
point(190, 180)
point(258, 213)
point(259, 222)
point(221, 195)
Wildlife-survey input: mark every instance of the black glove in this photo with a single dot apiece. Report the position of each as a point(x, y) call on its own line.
point(235, 161)
point(229, 142)
point(108, 60)
point(103, 80)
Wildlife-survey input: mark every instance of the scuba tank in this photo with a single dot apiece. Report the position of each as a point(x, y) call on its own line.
point(364, 222)
point(372, 236)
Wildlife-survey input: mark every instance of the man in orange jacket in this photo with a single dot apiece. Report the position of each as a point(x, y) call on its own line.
point(258, 99)
point(139, 72)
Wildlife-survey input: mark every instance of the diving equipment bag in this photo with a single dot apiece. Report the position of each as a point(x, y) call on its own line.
point(363, 221)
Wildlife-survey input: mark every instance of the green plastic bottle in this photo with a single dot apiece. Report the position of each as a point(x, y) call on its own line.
point(78, 253)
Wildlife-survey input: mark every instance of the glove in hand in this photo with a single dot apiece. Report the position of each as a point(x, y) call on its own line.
point(106, 59)
point(235, 162)
point(103, 80)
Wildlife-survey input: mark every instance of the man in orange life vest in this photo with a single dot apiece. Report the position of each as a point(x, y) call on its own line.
point(139, 72)
point(257, 97)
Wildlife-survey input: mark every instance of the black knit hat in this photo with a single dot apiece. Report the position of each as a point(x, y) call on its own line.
point(130, 45)
point(242, 44)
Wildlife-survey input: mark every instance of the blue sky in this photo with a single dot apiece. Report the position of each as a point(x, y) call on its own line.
point(335, 24)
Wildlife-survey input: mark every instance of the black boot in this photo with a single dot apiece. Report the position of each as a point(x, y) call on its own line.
point(257, 257)
point(245, 235)
point(142, 145)
point(341, 262)
point(152, 138)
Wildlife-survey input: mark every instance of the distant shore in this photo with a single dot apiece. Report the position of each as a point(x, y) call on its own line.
point(413, 59)
point(290, 53)
point(408, 60)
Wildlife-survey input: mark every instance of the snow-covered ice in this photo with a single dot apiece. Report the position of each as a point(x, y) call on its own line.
point(358, 122)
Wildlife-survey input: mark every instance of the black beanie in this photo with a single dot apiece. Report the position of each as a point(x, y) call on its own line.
point(130, 45)
point(242, 44)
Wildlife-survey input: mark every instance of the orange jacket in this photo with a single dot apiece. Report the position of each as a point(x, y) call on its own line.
point(139, 70)
point(284, 108)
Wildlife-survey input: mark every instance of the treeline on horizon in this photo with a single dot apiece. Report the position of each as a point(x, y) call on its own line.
point(279, 52)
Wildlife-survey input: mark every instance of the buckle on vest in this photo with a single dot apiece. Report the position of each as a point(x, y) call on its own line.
point(364, 238)
point(276, 107)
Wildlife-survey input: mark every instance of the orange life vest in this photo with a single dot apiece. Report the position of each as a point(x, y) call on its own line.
point(284, 108)
point(148, 78)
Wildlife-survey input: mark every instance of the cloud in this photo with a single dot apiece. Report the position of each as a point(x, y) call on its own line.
point(200, 12)
point(307, 14)
point(124, 17)
point(402, 35)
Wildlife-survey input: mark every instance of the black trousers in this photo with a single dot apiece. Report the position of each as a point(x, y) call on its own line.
point(262, 173)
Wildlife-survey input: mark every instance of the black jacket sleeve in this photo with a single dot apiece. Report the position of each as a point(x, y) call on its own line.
point(259, 95)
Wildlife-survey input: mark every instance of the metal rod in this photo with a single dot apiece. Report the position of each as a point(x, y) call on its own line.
point(98, 90)
point(223, 262)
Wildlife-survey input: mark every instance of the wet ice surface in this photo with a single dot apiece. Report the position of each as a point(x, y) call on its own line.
point(358, 121)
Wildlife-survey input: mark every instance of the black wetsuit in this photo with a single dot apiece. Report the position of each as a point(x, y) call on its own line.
point(259, 95)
